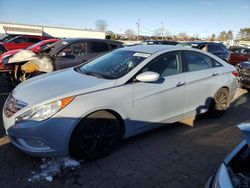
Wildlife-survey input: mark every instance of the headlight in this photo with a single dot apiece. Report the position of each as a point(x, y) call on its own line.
point(45, 111)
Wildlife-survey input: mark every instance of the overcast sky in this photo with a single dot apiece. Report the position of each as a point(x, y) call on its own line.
point(202, 17)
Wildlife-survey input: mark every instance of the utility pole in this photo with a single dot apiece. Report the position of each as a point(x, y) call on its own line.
point(138, 28)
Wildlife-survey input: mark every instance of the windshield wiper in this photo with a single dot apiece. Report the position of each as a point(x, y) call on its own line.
point(89, 73)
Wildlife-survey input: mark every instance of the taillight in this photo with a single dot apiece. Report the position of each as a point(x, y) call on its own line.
point(235, 73)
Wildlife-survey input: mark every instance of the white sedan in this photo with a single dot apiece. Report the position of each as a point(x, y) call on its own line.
point(84, 111)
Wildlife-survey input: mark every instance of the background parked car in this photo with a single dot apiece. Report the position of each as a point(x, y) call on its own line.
point(159, 42)
point(117, 95)
point(72, 52)
point(234, 171)
point(38, 47)
point(20, 42)
point(217, 49)
point(239, 54)
point(64, 54)
point(244, 74)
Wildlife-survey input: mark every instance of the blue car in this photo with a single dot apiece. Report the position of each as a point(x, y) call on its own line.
point(234, 171)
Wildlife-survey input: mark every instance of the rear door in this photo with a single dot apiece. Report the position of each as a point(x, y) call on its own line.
point(163, 100)
point(18, 43)
point(71, 55)
point(204, 76)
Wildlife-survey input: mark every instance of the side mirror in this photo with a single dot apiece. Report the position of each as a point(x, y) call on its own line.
point(148, 76)
point(61, 54)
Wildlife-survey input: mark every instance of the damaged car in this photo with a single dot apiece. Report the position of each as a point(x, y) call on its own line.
point(11, 69)
point(63, 54)
point(84, 111)
point(234, 171)
point(244, 75)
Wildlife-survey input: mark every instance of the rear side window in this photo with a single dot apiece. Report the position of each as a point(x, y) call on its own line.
point(166, 65)
point(33, 40)
point(97, 47)
point(215, 48)
point(196, 61)
point(20, 40)
point(113, 46)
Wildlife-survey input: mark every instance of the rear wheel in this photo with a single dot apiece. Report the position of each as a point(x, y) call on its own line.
point(95, 136)
point(219, 103)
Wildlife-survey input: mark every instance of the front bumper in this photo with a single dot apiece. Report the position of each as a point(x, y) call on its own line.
point(45, 138)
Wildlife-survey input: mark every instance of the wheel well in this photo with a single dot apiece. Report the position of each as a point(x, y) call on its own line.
point(117, 115)
point(228, 91)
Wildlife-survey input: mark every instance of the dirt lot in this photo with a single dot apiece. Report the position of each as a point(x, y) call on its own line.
point(178, 155)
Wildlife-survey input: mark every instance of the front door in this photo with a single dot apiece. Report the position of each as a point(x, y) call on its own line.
point(71, 56)
point(163, 100)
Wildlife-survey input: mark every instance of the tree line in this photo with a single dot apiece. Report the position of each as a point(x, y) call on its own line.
point(130, 34)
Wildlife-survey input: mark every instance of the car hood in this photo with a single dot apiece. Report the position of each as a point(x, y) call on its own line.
point(245, 65)
point(8, 53)
point(23, 55)
point(58, 85)
point(245, 128)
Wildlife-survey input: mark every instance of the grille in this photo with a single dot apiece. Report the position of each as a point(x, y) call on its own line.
point(13, 105)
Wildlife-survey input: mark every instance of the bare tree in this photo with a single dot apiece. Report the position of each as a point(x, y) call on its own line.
point(101, 25)
point(222, 36)
point(212, 39)
point(129, 33)
point(229, 35)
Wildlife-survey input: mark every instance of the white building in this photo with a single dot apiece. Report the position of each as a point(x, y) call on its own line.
point(58, 32)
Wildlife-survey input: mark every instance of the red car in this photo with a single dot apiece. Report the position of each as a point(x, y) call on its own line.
point(20, 42)
point(239, 54)
point(35, 48)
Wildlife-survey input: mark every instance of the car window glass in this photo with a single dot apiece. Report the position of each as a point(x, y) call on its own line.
point(20, 40)
point(33, 40)
point(215, 48)
point(197, 61)
point(113, 46)
point(97, 47)
point(166, 64)
point(76, 49)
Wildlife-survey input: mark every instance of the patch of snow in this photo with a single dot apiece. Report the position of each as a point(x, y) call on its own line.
point(51, 167)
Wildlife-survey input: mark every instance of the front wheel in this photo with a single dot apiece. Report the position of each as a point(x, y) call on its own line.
point(95, 136)
point(219, 103)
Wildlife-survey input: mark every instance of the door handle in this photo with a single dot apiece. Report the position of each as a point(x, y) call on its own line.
point(215, 74)
point(180, 84)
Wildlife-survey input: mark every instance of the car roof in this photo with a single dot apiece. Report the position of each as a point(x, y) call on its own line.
point(73, 40)
point(151, 49)
point(202, 42)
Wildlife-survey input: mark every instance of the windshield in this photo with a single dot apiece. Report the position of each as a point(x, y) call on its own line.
point(6, 38)
point(114, 64)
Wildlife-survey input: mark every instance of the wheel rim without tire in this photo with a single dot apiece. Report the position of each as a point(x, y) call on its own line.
point(221, 101)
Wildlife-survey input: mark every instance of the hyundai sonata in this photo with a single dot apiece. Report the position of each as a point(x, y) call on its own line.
point(84, 111)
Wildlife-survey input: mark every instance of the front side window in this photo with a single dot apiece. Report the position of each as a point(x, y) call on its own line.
point(113, 65)
point(196, 61)
point(215, 48)
point(33, 40)
point(98, 47)
point(166, 65)
point(19, 40)
point(76, 49)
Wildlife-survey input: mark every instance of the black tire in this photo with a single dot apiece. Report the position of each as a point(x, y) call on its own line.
point(219, 103)
point(95, 136)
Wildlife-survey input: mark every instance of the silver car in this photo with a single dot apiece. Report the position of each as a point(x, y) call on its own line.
point(85, 111)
